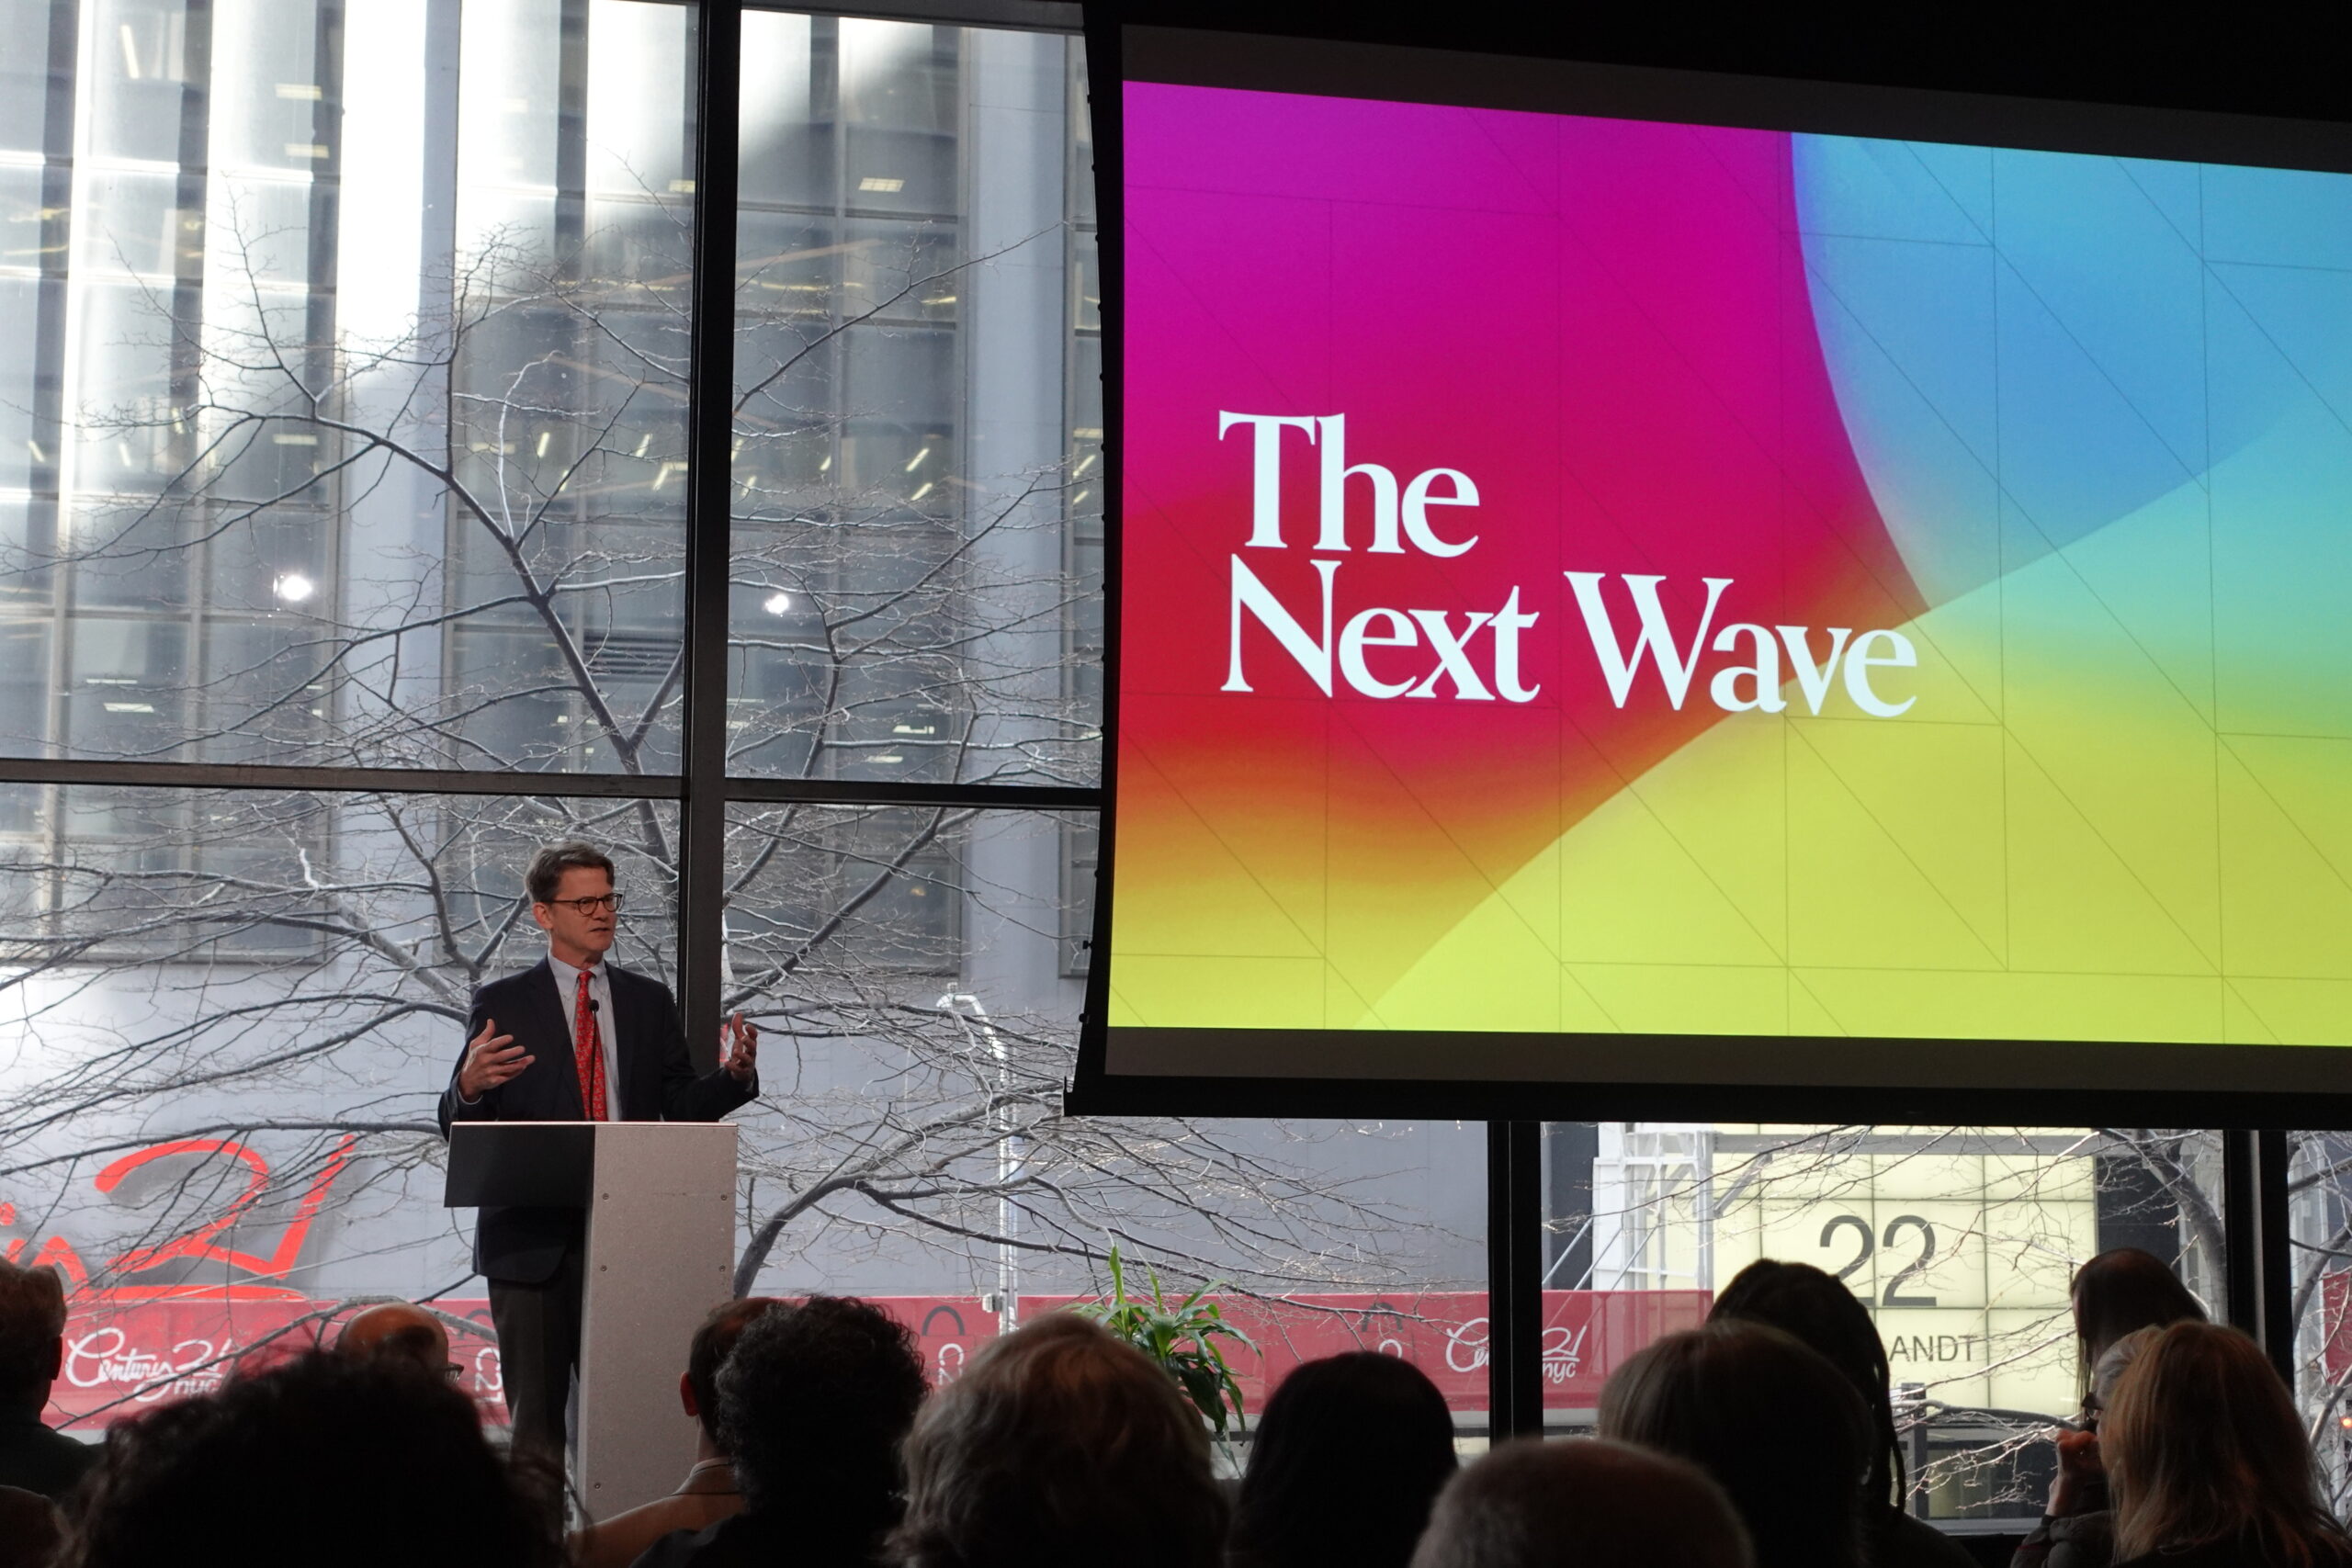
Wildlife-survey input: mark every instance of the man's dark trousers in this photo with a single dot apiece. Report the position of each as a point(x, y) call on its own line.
point(538, 1348)
point(534, 1258)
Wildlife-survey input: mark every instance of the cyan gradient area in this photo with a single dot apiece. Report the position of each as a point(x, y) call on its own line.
point(2145, 365)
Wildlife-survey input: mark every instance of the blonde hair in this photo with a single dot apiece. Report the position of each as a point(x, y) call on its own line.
point(2201, 1445)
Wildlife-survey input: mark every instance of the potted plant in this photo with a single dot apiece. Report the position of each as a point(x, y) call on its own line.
point(1181, 1337)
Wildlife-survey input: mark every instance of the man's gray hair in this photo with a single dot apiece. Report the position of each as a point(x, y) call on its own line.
point(549, 865)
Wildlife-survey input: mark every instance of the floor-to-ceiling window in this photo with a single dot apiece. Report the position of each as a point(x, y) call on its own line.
point(349, 374)
point(348, 390)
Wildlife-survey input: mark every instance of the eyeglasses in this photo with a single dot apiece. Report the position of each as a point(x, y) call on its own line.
point(454, 1371)
point(588, 906)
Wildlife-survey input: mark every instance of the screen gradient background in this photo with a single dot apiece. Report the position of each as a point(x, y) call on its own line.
point(2080, 426)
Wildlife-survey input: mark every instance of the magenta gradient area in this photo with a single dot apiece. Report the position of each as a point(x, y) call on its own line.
point(1604, 323)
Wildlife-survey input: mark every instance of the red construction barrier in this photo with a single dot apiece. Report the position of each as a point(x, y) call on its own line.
point(2336, 1323)
point(132, 1347)
point(129, 1348)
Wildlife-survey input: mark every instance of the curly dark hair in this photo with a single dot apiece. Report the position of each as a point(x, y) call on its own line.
point(813, 1402)
point(368, 1463)
point(708, 1350)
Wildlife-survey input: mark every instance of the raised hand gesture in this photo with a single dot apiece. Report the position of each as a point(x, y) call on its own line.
point(741, 1041)
point(491, 1058)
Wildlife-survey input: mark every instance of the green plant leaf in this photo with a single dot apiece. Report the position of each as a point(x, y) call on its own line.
point(1179, 1337)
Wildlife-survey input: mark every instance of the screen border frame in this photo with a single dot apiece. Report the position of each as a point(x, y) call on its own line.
point(2011, 1082)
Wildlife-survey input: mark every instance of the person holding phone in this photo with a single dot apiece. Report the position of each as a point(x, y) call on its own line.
point(573, 1038)
point(2121, 1298)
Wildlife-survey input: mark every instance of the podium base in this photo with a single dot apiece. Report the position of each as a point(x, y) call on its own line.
point(660, 1256)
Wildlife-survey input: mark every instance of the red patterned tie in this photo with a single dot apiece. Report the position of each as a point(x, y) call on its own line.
point(588, 1048)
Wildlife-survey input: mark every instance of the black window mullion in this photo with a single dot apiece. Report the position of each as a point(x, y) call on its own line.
point(710, 401)
point(1514, 1280)
point(2257, 1246)
point(488, 781)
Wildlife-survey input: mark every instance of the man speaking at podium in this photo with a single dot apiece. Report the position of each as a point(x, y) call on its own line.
point(573, 1038)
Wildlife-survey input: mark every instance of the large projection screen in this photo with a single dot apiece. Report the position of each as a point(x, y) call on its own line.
point(1696, 587)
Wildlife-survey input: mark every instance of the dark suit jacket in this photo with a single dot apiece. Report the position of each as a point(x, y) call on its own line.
point(802, 1536)
point(35, 1459)
point(523, 1247)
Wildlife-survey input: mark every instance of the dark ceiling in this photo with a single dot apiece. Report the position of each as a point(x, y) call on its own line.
point(2244, 58)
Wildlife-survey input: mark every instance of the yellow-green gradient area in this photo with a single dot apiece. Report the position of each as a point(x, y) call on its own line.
point(2058, 841)
point(2055, 842)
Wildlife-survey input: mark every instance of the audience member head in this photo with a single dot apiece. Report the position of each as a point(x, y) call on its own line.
point(397, 1328)
point(1346, 1458)
point(2201, 1445)
point(1818, 1311)
point(1594, 1502)
point(814, 1401)
point(361, 1461)
point(707, 1351)
point(32, 1336)
point(1056, 1441)
point(2109, 1371)
point(31, 1528)
point(2121, 1290)
point(1775, 1424)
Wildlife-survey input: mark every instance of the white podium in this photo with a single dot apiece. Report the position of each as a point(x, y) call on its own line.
point(659, 1197)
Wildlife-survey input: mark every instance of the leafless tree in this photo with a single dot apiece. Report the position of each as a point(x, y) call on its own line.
point(463, 548)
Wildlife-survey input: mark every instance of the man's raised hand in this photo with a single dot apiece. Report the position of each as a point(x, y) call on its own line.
point(743, 1042)
point(490, 1059)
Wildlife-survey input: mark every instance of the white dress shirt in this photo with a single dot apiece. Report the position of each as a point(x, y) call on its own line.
point(600, 990)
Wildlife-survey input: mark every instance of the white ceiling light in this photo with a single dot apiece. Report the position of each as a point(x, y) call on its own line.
point(776, 604)
point(293, 587)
